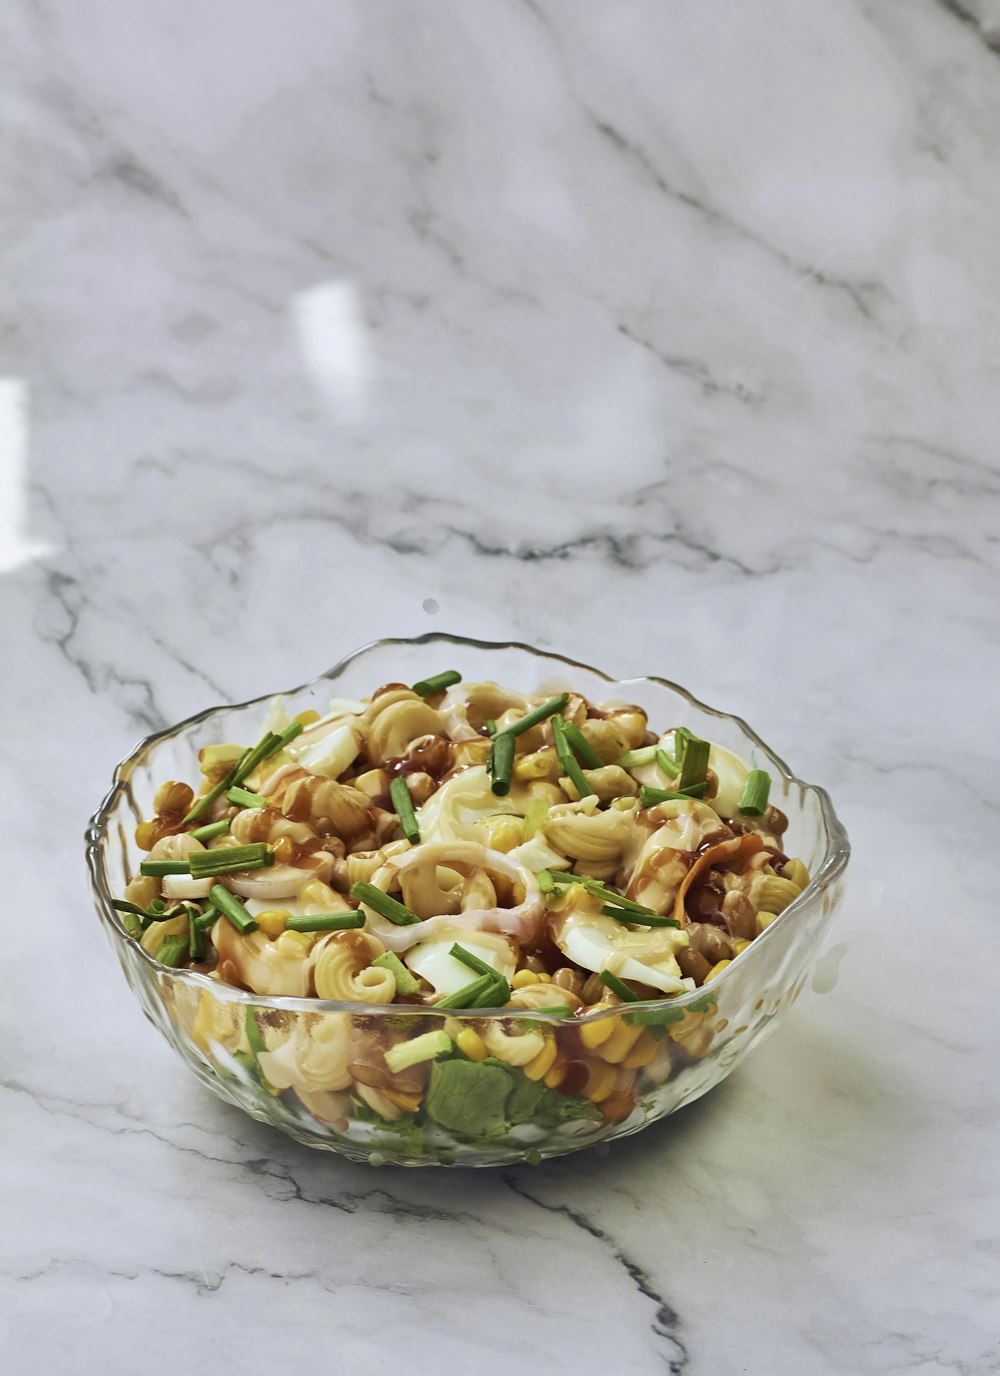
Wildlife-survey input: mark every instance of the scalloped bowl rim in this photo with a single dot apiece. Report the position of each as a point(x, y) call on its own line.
point(837, 853)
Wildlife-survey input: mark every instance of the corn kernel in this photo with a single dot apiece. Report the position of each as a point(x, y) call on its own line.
point(641, 1054)
point(553, 1078)
point(284, 850)
point(542, 1063)
point(304, 939)
point(307, 717)
point(541, 764)
point(739, 947)
point(471, 1044)
point(601, 1082)
point(763, 919)
point(146, 835)
point(717, 969)
point(592, 1034)
point(409, 1103)
point(506, 834)
point(526, 977)
point(272, 921)
point(620, 1043)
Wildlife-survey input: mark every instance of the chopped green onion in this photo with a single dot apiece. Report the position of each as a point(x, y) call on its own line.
point(207, 919)
point(557, 1010)
point(403, 803)
point(425, 1048)
point(616, 986)
point(655, 1017)
point(545, 881)
point(242, 797)
point(130, 920)
point(649, 797)
point(196, 939)
point(489, 726)
point(293, 729)
point(381, 903)
point(269, 744)
point(156, 912)
point(206, 800)
point(539, 714)
point(481, 967)
point(254, 1036)
point(753, 799)
point(232, 909)
point(173, 951)
point(501, 763)
point(405, 983)
point(601, 891)
point(568, 760)
point(427, 687)
point(649, 919)
point(206, 833)
point(488, 991)
point(156, 868)
point(325, 922)
point(535, 817)
point(694, 767)
point(681, 737)
point(668, 765)
point(581, 746)
point(230, 860)
point(646, 754)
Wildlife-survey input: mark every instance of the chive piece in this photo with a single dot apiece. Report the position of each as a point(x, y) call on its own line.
point(646, 754)
point(472, 961)
point(616, 986)
point(581, 746)
point(427, 687)
point(642, 919)
point(403, 803)
point(545, 881)
point(694, 767)
point(173, 952)
point(196, 939)
point(156, 868)
point(242, 797)
point(489, 726)
point(681, 737)
point(230, 860)
point(655, 1017)
point(601, 891)
point(753, 799)
point(557, 1010)
point(130, 920)
point(232, 909)
point(568, 760)
point(293, 729)
point(501, 764)
point(326, 922)
point(254, 1036)
point(405, 983)
point(667, 764)
point(488, 991)
point(539, 714)
point(381, 903)
point(206, 833)
point(268, 744)
point(649, 797)
point(156, 912)
point(425, 1048)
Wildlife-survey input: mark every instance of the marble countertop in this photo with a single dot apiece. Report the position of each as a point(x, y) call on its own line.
point(664, 335)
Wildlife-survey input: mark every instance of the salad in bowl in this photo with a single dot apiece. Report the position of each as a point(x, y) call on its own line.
point(455, 902)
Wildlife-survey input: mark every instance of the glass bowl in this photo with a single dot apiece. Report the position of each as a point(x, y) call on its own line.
point(588, 1080)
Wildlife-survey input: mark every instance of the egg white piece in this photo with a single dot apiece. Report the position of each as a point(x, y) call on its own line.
point(333, 754)
point(600, 943)
point(435, 963)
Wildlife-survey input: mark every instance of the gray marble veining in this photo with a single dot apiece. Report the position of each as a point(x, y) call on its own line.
point(664, 335)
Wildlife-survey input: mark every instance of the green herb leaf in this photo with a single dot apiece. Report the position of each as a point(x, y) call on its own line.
point(468, 1097)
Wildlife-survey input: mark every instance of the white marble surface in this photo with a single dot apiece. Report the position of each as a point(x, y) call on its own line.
point(664, 334)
